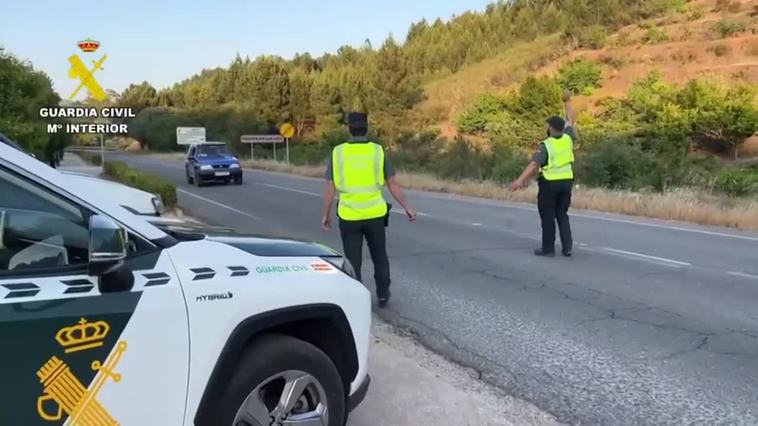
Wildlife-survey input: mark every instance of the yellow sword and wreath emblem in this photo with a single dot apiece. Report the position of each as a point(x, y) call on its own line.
point(62, 387)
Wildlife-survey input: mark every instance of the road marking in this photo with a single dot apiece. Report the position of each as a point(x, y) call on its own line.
point(402, 212)
point(512, 205)
point(675, 228)
point(656, 259)
point(476, 224)
point(582, 244)
point(216, 203)
point(284, 188)
point(743, 275)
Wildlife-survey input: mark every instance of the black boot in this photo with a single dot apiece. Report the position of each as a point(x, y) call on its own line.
point(566, 252)
point(384, 299)
point(543, 252)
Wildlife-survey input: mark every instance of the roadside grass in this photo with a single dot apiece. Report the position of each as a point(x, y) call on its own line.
point(142, 180)
point(685, 205)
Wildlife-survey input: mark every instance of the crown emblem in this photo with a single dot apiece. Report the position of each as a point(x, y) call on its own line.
point(88, 45)
point(85, 335)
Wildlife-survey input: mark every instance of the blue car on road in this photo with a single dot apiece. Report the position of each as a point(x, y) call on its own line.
point(211, 162)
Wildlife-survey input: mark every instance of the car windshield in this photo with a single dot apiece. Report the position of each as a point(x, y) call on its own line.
point(212, 150)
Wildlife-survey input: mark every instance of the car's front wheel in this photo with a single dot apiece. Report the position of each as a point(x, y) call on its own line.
point(281, 380)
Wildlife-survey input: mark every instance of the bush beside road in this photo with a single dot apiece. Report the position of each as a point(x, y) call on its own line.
point(141, 180)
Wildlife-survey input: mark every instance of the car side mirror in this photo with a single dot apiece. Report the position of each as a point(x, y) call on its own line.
point(108, 244)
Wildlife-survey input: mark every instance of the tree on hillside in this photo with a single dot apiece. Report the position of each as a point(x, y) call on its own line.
point(300, 83)
point(139, 96)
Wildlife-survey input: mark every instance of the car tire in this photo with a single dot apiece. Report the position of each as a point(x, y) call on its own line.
point(190, 179)
point(238, 181)
point(198, 181)
point(272, 361)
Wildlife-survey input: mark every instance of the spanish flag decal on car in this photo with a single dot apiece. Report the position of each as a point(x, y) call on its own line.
point(324, 267)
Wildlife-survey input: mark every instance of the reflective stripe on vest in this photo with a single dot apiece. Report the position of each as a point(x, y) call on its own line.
point(560, 157)
point(358, 172)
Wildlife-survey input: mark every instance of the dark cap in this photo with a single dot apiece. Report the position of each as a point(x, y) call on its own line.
point(357, 120)
point(556, 123)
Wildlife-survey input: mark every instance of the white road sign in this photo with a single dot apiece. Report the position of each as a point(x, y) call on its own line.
point(261, 139)
point(190, 135)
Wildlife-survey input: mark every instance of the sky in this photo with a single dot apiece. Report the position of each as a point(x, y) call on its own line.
point(166, 41)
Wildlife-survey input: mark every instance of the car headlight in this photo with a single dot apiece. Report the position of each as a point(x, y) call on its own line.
point(342, 264)
point(158, 204)
point(234, 166)
point(206, 167)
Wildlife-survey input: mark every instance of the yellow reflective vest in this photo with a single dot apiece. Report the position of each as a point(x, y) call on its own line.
point(358, 172)
point(560, 157)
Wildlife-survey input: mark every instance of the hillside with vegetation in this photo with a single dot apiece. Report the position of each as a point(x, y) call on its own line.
point(666, 91)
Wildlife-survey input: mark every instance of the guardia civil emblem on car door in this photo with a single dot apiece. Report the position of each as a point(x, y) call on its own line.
point(63, 394)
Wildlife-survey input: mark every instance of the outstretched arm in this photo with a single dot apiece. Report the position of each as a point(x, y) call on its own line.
point(399, 195)
point(530, 170)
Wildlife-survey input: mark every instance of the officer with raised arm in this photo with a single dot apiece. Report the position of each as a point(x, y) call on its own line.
point(554, 161)
point(358, 169)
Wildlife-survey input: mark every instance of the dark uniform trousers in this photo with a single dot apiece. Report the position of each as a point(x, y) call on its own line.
point(352, 233)
point(553, 201)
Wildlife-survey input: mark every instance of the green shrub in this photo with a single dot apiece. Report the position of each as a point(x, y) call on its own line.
point(418, 152)
point(624, 39)
point(655, 35)
point(476, 117)
point(618, 164)
point(141, 180)
point(593, 37)
point(737, 182)
point(463, 160)
point(728, 28)
point(579, 76)
point(508, 166)
point(695, 14)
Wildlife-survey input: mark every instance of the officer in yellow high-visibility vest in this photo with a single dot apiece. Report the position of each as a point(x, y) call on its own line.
point(358, 170)
point(554, 160)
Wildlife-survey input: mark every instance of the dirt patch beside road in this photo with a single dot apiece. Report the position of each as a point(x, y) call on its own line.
point(414, 386)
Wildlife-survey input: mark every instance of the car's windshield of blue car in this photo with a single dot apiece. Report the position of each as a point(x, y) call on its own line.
point(212, 150)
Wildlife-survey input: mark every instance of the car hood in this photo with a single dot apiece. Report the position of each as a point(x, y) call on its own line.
point(217, 160)
point(254, 244)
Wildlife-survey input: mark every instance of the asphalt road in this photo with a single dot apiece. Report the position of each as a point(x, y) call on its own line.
point(649, 323)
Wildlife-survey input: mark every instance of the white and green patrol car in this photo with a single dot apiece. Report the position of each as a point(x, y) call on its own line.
point(107, 319)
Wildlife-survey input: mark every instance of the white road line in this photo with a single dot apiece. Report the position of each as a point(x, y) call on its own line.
point(476, 224)
point(675, 228)
point(284, 188)
point(402, 212)
point(216, 203)
point(648, 257)
point(743, 275)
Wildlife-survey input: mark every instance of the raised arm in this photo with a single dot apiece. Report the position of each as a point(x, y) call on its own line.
point(570, 118)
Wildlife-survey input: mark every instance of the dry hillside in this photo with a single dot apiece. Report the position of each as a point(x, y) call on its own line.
point(715, 37)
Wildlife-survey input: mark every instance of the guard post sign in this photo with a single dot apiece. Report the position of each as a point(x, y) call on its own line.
point(257, 139)
point(190, 135)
